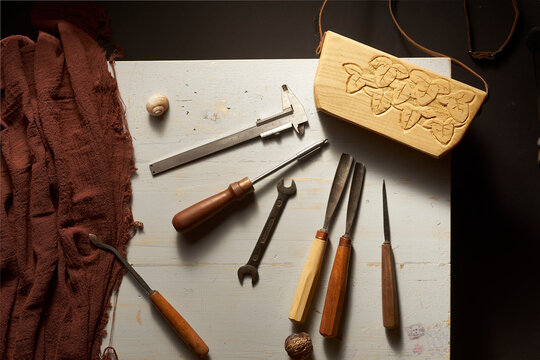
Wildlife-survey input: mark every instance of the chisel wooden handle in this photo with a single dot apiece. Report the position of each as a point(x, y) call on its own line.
point(308, 278)
point(195, 214)
point(180, 326)
point(389, 288)
point(337, 286)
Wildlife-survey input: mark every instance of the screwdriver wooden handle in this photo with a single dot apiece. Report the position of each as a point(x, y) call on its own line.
point(194, 215)
point(179, 324)
point(389, 288)
point(337, 287)
point(308, 278)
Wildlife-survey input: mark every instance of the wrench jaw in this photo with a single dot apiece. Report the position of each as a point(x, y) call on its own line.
point(290, 190)
point(248, 270)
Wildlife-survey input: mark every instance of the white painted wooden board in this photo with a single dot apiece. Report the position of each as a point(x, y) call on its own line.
point(198, 273)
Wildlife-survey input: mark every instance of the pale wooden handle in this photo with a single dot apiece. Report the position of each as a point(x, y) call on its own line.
point(180, 326)
point(389, 289)
point(335, 294)
point(194, 215)
point(308, 281)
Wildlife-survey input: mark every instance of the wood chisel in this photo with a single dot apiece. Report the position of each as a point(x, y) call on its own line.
point(293, 115)
point(310, 273)
point(389, 285)
point(337, 284)
point(177, 322)
point(194, 215)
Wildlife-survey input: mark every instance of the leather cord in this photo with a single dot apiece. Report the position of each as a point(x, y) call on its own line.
point(489, 55)
point(435, 53)
point(422, 48)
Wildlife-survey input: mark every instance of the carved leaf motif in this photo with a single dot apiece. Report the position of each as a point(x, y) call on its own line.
point(402, 92)
point(428, 112)
point(417, 76)
point(465, 96)
point(401, 71)
point(444, 85)
point(457, 104)
point(354, 82)
point(443, 131)
point(385, 73)
point(426, 92)
point(409, 117)
point(352, 68)
point(380, 60)
point(459, 111)
point(380, 100)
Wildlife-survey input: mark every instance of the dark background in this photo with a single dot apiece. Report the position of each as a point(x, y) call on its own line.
point(495, 176)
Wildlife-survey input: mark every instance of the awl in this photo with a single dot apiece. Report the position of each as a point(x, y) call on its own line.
point(310, 272)
point(194, 215)
point(292, 115)
point(177, 322)
point(337, 284)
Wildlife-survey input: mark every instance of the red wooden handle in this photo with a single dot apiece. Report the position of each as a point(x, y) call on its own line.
point(194, 215)
point(389, 288)
point(180, 326)
point(336, 292)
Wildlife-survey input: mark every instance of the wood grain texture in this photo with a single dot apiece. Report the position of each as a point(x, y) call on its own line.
point(179, 324)
point(393, 97)
point(309, 279)
point(336, 291)
point(198, 213)
point(198, 272)
point(390, 308)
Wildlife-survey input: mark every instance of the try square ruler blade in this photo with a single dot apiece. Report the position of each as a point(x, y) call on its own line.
point(292, 115)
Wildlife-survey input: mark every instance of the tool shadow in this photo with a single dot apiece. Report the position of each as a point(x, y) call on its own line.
point(202, 238)
point(390, 159)
point(183, 350)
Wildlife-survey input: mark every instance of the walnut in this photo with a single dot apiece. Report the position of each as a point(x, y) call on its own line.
point(299, 346)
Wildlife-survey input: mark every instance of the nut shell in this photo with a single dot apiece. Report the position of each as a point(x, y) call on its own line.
point(299, 346)
point(157, 104)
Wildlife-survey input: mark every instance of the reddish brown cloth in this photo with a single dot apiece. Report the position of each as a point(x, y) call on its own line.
point(66, 161)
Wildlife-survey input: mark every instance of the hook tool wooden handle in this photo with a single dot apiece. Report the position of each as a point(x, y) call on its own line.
point(179, 324)
point(389, 288)
point(194, 215)
point(337, 289)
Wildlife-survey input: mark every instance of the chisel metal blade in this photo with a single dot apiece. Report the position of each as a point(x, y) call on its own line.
point(357, 184)
point(340, 180)
point(385, 215)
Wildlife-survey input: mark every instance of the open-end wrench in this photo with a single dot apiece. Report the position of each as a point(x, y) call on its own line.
point(267, 231)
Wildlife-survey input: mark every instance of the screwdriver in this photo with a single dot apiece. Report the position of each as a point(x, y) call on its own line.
point(177, 322)
point(196, 214)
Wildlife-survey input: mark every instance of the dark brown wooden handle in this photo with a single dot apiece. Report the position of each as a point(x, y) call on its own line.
point(180, 326)
point(389, 288)
point(194, 215)
point(337, 287)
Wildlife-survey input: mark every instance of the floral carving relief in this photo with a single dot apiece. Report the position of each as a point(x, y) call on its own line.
point(421, 100)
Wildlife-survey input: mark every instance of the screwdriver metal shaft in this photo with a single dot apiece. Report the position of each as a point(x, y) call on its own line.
point(196, 214)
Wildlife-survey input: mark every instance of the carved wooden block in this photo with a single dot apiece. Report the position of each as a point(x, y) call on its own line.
point(393, 97)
